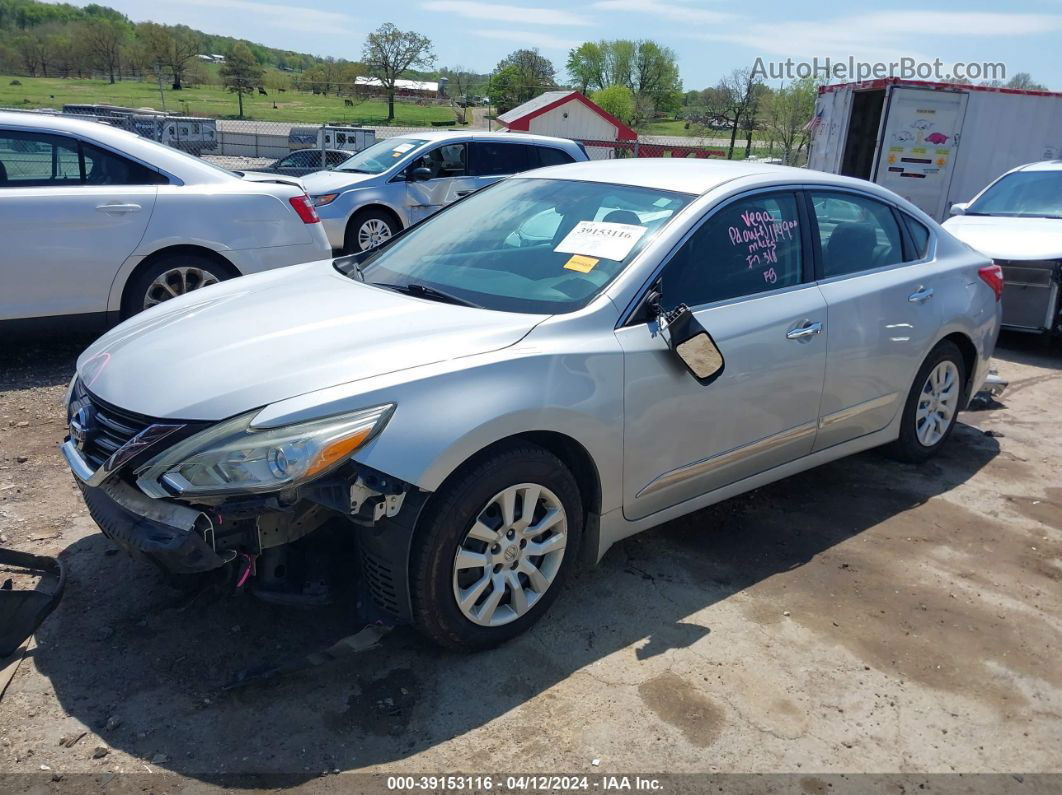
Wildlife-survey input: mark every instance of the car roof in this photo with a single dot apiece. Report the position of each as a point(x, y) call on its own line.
point(187, 168)
point(482, 135)
point(1043, 165)
point(688, 175)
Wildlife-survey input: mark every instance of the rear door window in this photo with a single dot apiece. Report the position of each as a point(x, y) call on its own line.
point(107, 168)
point(857, 233)
point(494, 158)
point(32, 160)
point(542, 156)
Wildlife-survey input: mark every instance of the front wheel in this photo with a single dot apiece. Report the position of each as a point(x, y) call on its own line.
point(494, 548)
point(367, 230)
point(932, 405)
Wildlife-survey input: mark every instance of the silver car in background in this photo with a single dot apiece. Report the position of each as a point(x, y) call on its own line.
point(504, 391)
point(399, 181)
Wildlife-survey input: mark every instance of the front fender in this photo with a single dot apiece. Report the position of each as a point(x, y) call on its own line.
point(451, 411)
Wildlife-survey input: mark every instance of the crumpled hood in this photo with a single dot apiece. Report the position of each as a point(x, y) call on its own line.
point(330, 181)
point(1005, 238)
point(258, 339)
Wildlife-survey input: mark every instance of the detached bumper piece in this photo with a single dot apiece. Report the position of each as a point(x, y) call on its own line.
point(172, 536)
point(21, 612)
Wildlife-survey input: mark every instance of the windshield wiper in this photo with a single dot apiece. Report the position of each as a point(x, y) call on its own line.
point(354, 170)
point(430, 293)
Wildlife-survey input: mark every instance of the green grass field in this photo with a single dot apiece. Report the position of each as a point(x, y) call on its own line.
point(213, 101)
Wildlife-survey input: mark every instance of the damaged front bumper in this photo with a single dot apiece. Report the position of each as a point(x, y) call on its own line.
point(175, 537)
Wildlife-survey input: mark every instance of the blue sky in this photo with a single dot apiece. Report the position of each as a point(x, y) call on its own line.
point(710, 36)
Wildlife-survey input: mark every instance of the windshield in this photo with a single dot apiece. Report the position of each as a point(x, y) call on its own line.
point(1023, 194)
point(527, 245)
point(379, 157)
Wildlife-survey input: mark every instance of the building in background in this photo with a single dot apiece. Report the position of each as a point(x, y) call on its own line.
point(567, 114)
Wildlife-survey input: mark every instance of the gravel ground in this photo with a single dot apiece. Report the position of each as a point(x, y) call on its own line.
point(864, 616)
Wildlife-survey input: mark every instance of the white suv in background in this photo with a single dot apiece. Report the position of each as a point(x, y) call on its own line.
point(100, 223)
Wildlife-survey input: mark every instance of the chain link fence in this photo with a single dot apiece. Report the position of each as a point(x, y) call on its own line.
point(249, 145)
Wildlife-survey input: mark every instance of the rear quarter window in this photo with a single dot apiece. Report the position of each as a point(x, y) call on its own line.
point(919, 237)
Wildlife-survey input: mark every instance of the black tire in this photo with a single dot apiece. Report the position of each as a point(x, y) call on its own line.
point(445, 524)
point(359, 219)
point(908, 447)
point(136, 291)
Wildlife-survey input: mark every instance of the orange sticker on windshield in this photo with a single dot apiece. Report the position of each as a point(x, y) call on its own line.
point(580, 263)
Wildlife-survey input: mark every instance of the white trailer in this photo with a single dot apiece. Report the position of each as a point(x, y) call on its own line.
point(935, 144)
point(351, 139)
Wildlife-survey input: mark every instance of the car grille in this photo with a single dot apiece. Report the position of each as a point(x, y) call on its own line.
point(112, 429)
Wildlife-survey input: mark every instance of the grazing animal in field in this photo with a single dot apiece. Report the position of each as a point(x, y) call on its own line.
point(348, 103)
point(263, 92)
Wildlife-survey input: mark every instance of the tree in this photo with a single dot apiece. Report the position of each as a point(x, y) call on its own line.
point(173, 48)
point(241, 73)
point(586, 66)
point(104, 40)
point(617, 100)
point(732, 103)
point(522, 75)
point(787, 115)
point(648, 69)
point(389, 52)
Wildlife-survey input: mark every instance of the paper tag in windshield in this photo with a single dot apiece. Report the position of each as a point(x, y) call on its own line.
point(401, 148)
point(601, 239)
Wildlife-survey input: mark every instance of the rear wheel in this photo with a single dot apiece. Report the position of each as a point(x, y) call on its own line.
point(494, 548)
point(932, 405)
point(367, 230)
point(169, 276)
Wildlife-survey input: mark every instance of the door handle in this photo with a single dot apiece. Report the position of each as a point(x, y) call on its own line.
point(809, 329)
point(118, 208)
point(920, 295)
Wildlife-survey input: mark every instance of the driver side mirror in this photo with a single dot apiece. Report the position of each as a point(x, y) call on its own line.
point(419, 174)
point(959, 208)
point(688, 339)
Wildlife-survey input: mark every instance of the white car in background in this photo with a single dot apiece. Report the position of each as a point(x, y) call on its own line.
point(98, 223)
point(1017, 221)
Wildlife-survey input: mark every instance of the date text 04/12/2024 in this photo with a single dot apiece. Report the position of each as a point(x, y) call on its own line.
point(523, 783)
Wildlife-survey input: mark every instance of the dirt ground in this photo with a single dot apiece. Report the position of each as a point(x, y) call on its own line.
point(865, 616)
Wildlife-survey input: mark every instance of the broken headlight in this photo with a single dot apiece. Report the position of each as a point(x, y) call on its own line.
point(235, 458)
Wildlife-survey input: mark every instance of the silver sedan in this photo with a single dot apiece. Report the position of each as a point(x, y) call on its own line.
point(502, 392)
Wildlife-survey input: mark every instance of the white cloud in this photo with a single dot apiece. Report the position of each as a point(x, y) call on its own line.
point(527, 38)
point(879, 36)
point(677, 12)
point(494, 12)
point(274, 15)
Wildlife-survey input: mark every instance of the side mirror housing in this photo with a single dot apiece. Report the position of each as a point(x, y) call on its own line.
point(419, 174)
point(959, 208)
point(692, 344)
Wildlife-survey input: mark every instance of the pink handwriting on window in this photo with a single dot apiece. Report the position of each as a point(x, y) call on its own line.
point(770, 276)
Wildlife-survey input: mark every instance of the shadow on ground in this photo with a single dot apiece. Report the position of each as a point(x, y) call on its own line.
point(146, 675)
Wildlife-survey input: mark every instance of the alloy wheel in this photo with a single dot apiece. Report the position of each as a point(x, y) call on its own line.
point(372, 233)
point(511, 555)
point(177, 281)
point(937, 403)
